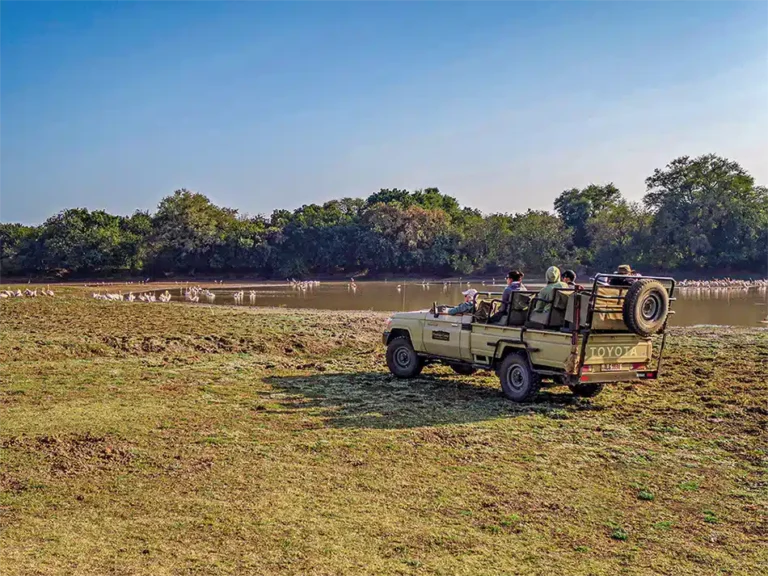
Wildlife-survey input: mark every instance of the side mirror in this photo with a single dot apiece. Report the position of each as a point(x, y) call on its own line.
point(434, 309)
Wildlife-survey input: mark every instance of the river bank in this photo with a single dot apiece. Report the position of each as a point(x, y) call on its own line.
point(156, 439)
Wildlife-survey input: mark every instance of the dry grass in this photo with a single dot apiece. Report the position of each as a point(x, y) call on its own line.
point(173, 439)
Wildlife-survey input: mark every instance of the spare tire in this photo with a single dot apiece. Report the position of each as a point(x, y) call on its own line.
point(646, 306)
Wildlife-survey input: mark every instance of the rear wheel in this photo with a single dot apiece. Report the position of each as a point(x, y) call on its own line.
point(402, 359)
point(463, 369)
point(518, 382)
point(586, 389)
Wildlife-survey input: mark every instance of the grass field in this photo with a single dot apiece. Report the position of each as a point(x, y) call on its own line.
point(172, 439)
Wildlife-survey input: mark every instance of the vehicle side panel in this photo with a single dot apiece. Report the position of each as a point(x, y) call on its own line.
point(442, 335)
point(484, 338)
point(554, 349)
point(548, 348)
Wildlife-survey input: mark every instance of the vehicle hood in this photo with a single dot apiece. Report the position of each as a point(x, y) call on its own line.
point(414, 315)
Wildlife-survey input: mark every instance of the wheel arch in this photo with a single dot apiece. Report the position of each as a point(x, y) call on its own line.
point(399, 333)
point(507, 348)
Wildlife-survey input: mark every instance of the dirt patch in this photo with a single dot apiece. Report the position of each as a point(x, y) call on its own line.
point(204, 344)
point(75, 453)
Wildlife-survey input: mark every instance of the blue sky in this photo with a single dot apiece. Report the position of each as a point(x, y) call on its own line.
point(273, 105)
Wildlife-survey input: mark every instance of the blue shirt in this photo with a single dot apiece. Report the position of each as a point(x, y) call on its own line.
point(506, 296)
point(461, 308)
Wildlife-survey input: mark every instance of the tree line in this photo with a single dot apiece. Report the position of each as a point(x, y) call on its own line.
point(698, 214)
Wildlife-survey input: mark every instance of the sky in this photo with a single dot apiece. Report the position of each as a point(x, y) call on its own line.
point(266, 105)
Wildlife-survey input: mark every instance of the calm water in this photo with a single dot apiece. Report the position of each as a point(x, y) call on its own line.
point(693, 306)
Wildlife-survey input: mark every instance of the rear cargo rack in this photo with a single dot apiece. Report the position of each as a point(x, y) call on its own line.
point(587, 331)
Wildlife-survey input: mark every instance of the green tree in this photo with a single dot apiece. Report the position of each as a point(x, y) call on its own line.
point(537, 240)
point(83, 242)
point(18, 249)
point(576, 207)
point(707, 213)
point(412, 232)
point(620, 233)
point(187, 232)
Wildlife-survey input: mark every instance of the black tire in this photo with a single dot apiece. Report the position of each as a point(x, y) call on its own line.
point(518, 382)
point(646, 306)
point(587, 389)
point(463, 369)
point(402, 359)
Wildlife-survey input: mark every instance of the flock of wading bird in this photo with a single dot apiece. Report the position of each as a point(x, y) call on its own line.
point(28, 293)
point(187, 293)
point(725, 284)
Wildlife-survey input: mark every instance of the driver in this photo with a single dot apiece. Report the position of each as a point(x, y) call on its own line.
point(467, 306)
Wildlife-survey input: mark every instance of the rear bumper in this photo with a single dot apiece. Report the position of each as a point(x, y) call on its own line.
point(618, 376)
point(385, 337)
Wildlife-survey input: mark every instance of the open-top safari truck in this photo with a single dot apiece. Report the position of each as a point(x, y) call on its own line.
point(587, 337)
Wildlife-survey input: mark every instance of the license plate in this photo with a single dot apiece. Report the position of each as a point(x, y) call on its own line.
point(613, 367)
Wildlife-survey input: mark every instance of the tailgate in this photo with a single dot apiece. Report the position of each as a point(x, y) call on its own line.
point(620, 351)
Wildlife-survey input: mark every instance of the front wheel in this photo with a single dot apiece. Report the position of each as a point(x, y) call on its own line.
point(518, 382)
point(402, 359)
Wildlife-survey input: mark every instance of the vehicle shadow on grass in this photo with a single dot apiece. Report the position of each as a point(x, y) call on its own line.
point(379, 400)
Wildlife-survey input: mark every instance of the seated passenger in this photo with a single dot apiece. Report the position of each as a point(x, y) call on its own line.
point(547, 294)
point(569, 277)
point(467, 306)
point(514, 284)
point(624, 270)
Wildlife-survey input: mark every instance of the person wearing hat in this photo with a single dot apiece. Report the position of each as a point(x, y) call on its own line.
point(467, 306)
point(623, 270)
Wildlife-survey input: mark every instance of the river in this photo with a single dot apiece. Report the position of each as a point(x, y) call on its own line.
point(694, 306)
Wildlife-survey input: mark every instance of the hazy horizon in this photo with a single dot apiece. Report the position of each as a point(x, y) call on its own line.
point(274, 105)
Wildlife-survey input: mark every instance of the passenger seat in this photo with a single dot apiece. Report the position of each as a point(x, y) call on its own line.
point(555, 317)
point(518, 308)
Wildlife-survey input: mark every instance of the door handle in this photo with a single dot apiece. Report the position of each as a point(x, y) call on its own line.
point(455, 325)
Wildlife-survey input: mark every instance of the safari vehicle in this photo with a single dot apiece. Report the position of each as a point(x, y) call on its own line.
point(589, 336)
